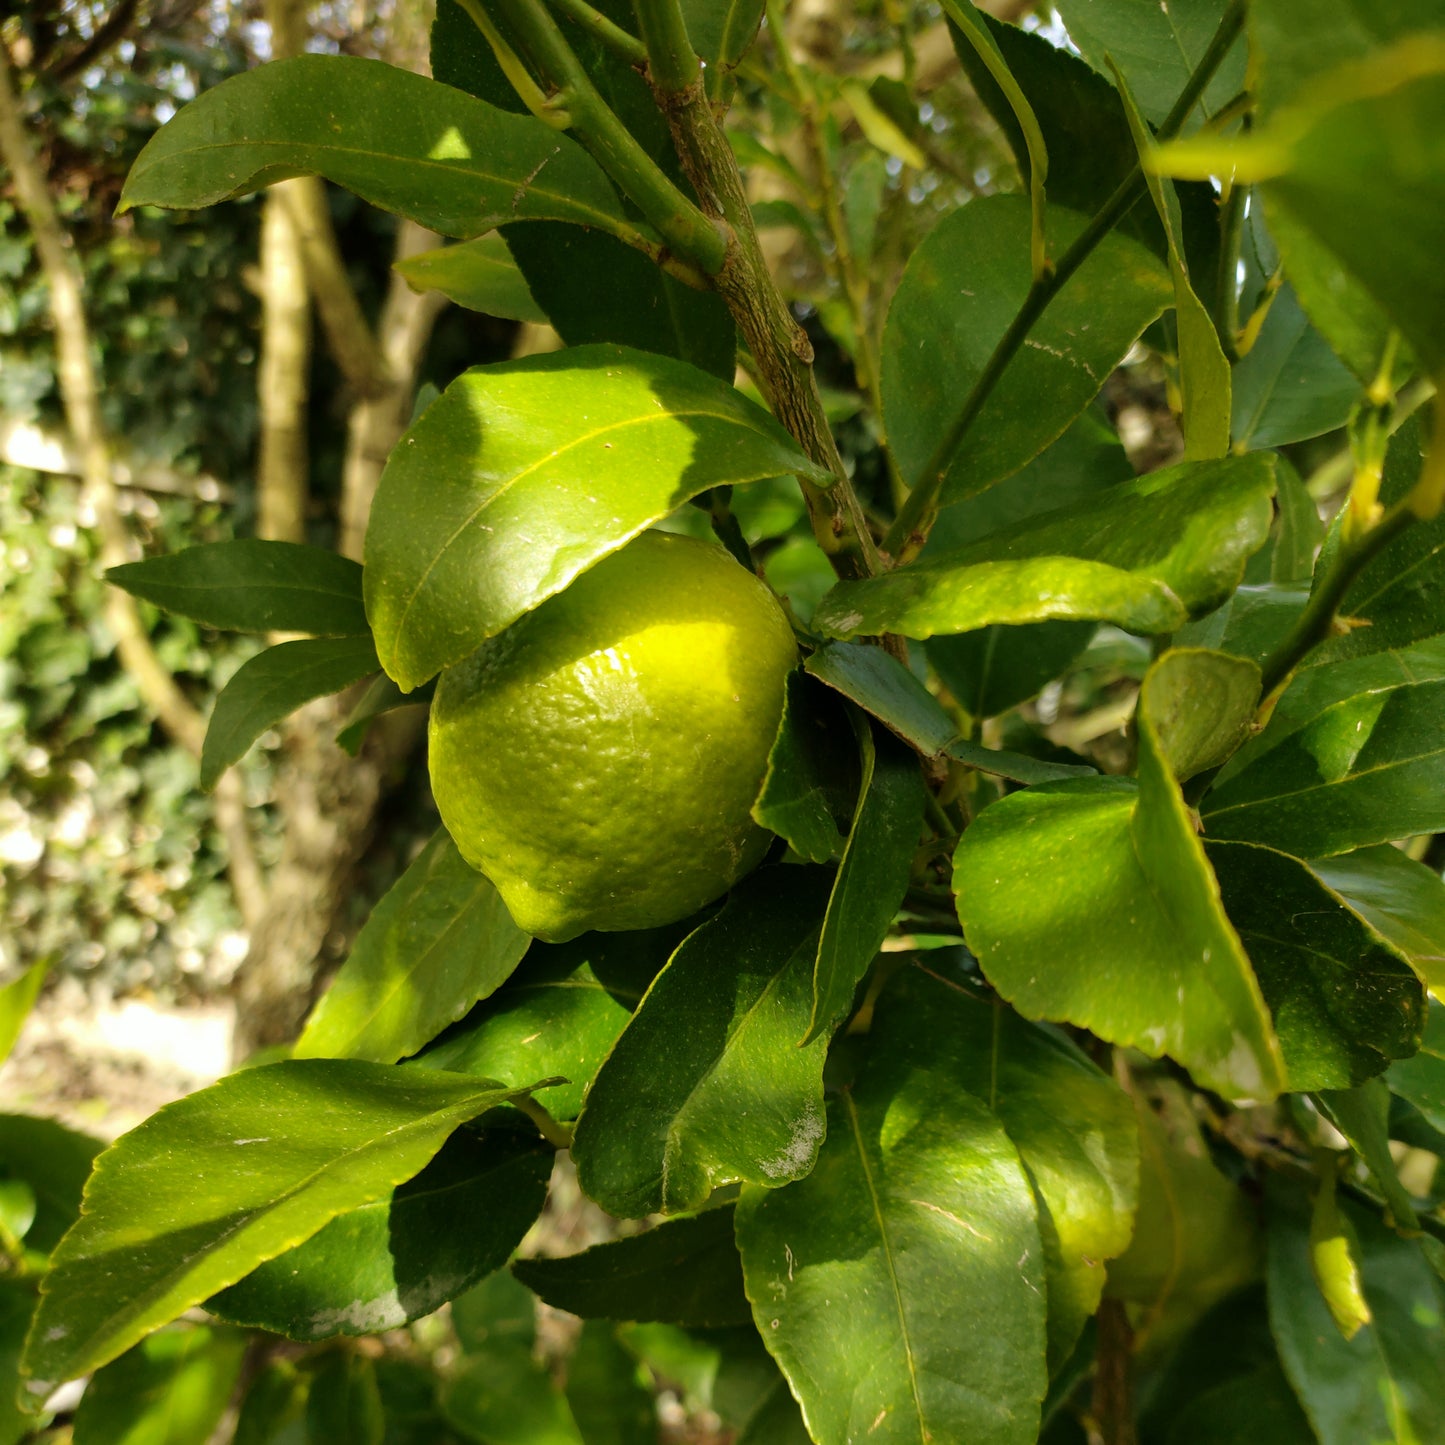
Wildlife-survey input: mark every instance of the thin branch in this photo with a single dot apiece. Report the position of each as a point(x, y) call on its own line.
point(672, 63)
point(629, 47)
point(111, 31)
point(910, 529)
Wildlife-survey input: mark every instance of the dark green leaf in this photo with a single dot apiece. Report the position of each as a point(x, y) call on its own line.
point(1362, 1115)
point(252, 585)
point(269, 687)
point(721, 31)
point(559, 1013)
point(438, 941)
point(1201, 705)
point(525, 473)
point(274, 1410)
point(1289, 387)
point(1250, 625)
point(344, 1402)
point(406, 1254)
point(501, 1396)
point(1385, 1384)
point(211, 1186)
point(872, 877)
point(381, 695)
point(1402, 900)
point(1299, 533)
point(1147, 555)
point(1344, 1003)
point(681, 1272)
point(610, 1400)
point(479, 274)
point(399, 140)
point(1072, 1125)
point(54, 1162)
point(170, 1389)
point(1421, 1079)
point(1017, 767)
point(883, 686)
point(962, 288)
point(812, 777)
point(1257, 1405)
point(707, 1084)
point(1366, 770)
point(1050, 936)
point(919, 1200)
point(1156, 46)
point(996, 668)
point(17, 1301)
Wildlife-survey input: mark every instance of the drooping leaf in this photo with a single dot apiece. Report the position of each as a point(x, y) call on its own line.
point(1156, 47)
point(606, 1391)
point(1018, 767)
point(1385, 1383)
point(1137, 948)
point(170, 1389)
point(1421, 1079)
point(344, 1401)
point(962, 288)
point(213, 1185)
point(558, 1014)
point(53, 1162)
point(872, 878)
point(883, 686)
point(1344, 1003)
point(812, 779)
point(1402, 900)
point(1147, 555)
point(479, 274)
point(16, 1000)
point(270, 686)
point(406, 1254)
point(251, 585)
point(1362, 1115)
point(680, 1272)
point(527, 472)
point(438, 941)
point(707, 1084)
point(1072, 1125)
point(397, 139)
point(918, 1200)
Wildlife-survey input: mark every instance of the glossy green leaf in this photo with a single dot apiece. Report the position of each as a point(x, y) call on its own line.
point(1290, 386)
point(438, 941)
point(1384, 1384)
point(919, 1200)
point(1072, 1125)
point(397, 139)
point(1250, 625)
point(883, 686)
point(211, 1186)
point(558, 1014)
point(996, 668)
point(607, 1392)
point(502, 1396)
point(1200, 705)
point(270, 686)
point(1017, 767)
point(872, 877)
point(962, 288)
point(1402, 900)
point(1421, 1079)
point(1156, 46)
point(406, 1254)
point(170, 1389)
point(1136, 948)
point(16, 1000)
point(344, 1402)
point(274, 1409)
point(680, 1272)
point(812, 778)
point(1344, 1003)
point(707, 1084)
point(1366, 770)
point(1195, 1233)
point(527, 472)
point(250, 585)
point(1147, 555)
point(479, 274)
point(54, 1162)
point(1204, 372)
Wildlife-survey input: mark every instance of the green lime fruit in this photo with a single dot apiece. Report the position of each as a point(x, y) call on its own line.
point(599, 759)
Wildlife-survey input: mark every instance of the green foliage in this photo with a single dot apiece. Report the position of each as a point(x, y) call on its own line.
point(1091, 968)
